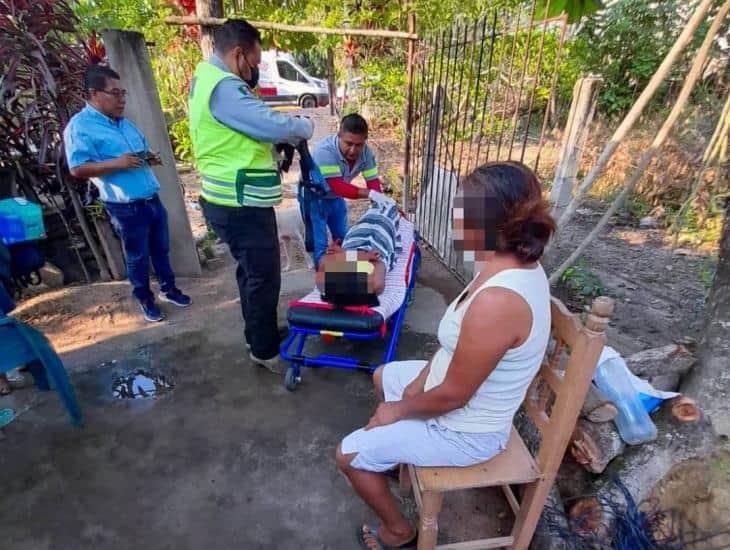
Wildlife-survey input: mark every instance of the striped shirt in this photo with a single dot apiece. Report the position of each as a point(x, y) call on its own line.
point(377, 230)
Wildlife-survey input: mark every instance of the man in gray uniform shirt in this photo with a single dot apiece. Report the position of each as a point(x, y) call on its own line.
point(233, 134)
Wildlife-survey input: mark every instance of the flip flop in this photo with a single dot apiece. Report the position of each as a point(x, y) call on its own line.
point(6, 417)
point(364, 530)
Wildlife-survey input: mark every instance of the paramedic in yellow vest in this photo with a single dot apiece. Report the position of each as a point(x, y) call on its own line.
point(233, 135)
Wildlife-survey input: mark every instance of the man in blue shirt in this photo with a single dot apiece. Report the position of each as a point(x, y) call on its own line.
point(106, 148)
point(341, 158)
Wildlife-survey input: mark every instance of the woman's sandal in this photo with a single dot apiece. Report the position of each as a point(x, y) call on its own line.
point(365, 532)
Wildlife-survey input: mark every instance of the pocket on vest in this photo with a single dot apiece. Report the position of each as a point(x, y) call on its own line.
point(257, 185)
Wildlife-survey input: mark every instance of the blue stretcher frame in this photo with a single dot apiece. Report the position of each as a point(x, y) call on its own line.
point(298, 335)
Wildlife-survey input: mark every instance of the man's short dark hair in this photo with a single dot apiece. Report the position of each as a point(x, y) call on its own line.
point(235, 32)
point(95, 77)
point(354, 124)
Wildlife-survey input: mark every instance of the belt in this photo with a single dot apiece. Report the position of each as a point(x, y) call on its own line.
point(135, 201)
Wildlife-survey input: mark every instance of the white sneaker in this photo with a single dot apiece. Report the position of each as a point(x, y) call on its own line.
point(275, 364)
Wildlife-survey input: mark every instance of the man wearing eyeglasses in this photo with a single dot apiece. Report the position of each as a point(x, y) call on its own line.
point(106, 148)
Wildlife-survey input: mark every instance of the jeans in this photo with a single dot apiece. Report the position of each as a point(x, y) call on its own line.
point(319, 214)
point(142, 227)
point(252, 237)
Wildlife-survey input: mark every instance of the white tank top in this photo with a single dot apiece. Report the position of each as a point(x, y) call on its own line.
point(493, 406)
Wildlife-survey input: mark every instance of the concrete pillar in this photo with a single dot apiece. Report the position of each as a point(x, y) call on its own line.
point(577, 128)
point(128, 56)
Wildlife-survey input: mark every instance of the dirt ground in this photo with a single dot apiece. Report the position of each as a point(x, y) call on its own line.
point(230, 456)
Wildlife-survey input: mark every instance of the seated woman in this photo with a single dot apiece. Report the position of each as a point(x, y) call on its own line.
point(358, 265)
point(457, 409)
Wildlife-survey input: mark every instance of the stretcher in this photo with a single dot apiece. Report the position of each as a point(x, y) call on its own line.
point(310, 316)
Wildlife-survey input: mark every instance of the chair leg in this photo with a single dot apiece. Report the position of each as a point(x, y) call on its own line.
point(54, 370)
point(404, 481)
point(63, 386)
point(39, 375)
point(428, 525)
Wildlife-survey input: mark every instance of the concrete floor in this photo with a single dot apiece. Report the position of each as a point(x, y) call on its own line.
point(228, 459)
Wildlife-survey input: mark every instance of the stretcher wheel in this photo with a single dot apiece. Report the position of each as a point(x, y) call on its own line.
point(291, 379)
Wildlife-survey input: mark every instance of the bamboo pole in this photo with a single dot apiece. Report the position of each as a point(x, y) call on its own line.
point(691, 79)
point(633, 115)
point(712, 157)
point(268, 25)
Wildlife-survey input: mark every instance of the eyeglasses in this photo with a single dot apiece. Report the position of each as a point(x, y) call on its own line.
point(116, 93)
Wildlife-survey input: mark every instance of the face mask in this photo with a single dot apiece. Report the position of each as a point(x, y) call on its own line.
point(254, 80)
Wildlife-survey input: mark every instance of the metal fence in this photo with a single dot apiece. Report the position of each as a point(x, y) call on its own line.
point(481, 91)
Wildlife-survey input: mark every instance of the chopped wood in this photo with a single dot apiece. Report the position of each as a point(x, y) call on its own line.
point(685, 409)
point(642, 466)
point(594, 445)
point(669, 359)
point(665, 382)
point(597, 407)
point(586, 515)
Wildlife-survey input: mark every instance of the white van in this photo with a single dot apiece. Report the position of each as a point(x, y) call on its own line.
point(282, 80)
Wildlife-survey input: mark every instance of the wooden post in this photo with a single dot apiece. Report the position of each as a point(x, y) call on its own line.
point(112, 248)
point(331, 79)
point(582, 109)
point(409, 112)
point(207, 8)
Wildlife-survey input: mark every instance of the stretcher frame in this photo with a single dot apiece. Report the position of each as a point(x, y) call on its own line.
point(292, 348)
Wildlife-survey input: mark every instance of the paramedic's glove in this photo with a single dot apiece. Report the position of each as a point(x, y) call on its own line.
point(380, 199)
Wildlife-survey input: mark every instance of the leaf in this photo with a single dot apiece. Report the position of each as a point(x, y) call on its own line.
point(575, 9)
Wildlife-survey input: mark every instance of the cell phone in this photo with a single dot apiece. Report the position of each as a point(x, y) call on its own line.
point(145, 155)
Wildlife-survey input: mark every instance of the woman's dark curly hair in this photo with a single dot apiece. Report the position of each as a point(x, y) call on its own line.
point(514, 215)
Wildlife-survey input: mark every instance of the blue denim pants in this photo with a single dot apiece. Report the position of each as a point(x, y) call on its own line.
point(142, 227)
point(319, 214)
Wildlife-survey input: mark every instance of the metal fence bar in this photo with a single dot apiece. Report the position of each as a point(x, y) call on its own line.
point(505, 99)
point(468, 167)
point(447, 100)
point(423, 54)
point(489, 94)
point(537, 84)
point(525, 68)
point(434, 124)
point(453, 125)
point(553, 87)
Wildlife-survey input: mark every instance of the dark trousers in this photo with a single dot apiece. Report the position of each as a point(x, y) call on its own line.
point(142, 227)
point(252, 237)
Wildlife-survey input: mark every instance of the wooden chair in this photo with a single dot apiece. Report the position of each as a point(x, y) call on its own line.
point(553, 403)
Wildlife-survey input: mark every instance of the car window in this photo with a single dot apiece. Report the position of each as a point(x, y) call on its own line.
point(288, 72)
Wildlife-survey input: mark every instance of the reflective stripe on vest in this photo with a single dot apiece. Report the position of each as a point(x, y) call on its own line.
point(236, 170)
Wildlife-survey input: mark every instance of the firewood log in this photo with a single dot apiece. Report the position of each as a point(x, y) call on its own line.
point(594, 445)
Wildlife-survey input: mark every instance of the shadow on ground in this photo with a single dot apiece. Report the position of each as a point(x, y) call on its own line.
point(226, 459)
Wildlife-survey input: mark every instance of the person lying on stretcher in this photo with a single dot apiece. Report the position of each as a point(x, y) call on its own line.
point(353, 272)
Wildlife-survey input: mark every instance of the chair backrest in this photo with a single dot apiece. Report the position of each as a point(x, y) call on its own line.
point(556, 395)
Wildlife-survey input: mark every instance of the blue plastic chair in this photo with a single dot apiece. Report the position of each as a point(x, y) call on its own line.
point(24, 345)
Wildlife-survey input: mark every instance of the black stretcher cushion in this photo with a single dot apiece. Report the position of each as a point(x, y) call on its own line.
point(337, 320)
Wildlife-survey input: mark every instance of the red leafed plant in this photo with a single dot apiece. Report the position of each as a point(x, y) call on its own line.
point(42, 60)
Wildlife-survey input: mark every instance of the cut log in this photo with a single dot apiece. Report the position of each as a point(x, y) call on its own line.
point(597, 407)
point(594, 445)
point(642, 466)
point(586, 515)
point(665, 382)
point(685, 409)
point(669, 359)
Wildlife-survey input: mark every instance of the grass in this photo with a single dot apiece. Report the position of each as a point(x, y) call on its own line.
point(582, 283)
